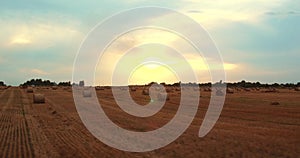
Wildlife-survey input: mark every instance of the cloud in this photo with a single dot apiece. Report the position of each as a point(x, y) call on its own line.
point(160, 44)
point(194, 11)
point(55, 74)
point(20, 40)
point(143, 36)
point(41, 35)
point(48, 33)
point(252, 72)
point(274, 13)
point(33, 72)
point(198, 63)
point(225, 12)
point(36, 34)
point(163, 50)
point(38, 72)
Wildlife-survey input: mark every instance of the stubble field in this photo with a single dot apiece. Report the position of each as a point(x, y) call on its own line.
point(249, 126)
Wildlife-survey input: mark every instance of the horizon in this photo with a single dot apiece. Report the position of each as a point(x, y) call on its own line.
point(258, 43)
point(167, 83)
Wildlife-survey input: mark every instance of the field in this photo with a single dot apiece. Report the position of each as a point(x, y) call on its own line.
point(249, 126)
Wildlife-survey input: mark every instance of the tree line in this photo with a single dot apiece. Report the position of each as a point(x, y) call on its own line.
point(40, 82)
point(243, 83)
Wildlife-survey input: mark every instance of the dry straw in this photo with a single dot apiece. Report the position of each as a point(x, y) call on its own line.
point(38, 98)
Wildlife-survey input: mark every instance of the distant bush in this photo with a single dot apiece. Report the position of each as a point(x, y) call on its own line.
point(245, 84)
point(64, 83)
point(2, 83)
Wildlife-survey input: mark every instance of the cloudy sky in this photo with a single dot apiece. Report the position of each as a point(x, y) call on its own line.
point(258, 40)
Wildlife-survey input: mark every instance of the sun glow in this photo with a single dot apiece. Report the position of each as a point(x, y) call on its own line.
point(21, 40)
point(152, 72)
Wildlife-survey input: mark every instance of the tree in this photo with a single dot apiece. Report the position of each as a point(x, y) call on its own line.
point(2, 83)
point(257, 84)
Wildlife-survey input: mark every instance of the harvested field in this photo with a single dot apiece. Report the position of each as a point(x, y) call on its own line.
point(249, 125)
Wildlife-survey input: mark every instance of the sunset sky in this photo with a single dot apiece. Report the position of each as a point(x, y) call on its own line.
point(258, 40)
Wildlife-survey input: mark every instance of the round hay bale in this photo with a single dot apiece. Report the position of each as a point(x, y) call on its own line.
point(163, 96)
point(87, 93)
point(196, 88)
point(230, 90)
point(271, 90)
point(158, 89)
point(38, 98)
point(145, 92)
point(219, 93)
point(247, 89)
point(169, 90)
point(54, 87)
point(133, 89)
point(297, 89)
point(29, 90)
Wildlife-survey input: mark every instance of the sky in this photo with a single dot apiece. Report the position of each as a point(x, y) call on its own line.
point(258, 40)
